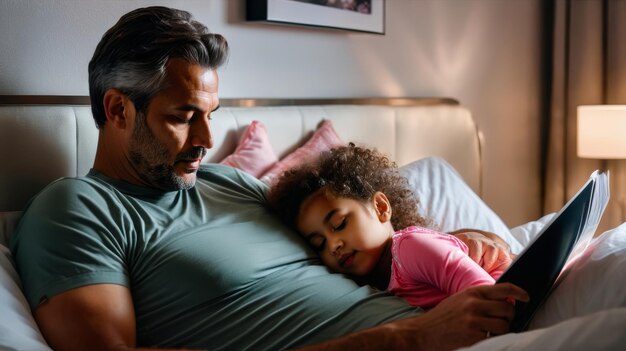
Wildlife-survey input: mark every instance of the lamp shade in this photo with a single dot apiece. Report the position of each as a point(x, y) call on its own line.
point(601, 131)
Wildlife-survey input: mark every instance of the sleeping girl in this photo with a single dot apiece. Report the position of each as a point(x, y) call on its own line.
point(357, 212)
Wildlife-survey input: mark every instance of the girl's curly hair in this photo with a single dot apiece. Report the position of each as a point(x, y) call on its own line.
point(352, 172)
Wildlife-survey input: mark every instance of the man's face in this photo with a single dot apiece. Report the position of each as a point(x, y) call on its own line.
point(170, 140)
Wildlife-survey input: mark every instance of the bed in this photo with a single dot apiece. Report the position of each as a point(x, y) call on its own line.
point(434, 141)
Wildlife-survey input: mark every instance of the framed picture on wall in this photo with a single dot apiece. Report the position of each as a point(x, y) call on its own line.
point(354, 15)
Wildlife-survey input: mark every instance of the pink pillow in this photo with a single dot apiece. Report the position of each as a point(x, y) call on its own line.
point(254, 154)
point(323, 139)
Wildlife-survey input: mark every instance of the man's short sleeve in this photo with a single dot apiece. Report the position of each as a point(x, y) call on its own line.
point(68, 237)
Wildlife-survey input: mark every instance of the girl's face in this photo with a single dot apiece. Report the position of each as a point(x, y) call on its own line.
point(349, 235)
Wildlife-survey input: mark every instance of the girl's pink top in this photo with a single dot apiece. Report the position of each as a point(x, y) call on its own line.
point(428, 266)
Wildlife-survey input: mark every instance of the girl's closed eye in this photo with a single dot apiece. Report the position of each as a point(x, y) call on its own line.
point(317, 242)
point(341, 225)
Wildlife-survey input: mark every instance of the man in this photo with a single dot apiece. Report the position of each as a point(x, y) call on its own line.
point(153, 249)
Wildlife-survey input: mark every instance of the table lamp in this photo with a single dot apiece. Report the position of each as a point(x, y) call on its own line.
point(602, 135)
point(602, 132)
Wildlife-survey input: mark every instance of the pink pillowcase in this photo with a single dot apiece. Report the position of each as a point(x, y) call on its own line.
point(323, 139)
point(254, 154)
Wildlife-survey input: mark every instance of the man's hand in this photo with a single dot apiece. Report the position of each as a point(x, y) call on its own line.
point(471, 315)
point(485, 248)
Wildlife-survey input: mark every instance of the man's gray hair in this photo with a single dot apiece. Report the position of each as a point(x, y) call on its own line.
point(133, 54)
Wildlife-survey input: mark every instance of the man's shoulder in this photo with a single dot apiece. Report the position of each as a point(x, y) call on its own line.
point(66, 194)
point(60, 200)
point(69, 186)
point(213, 174)
point(212, 171)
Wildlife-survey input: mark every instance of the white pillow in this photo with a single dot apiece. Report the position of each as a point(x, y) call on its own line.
point(527, 232)
point(593, 282)
point(18, 330)
point(446, 198)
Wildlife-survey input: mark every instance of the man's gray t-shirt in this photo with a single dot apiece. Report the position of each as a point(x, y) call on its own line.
point(207, 267)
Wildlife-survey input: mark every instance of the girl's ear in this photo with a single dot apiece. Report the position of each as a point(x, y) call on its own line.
point(382, 206)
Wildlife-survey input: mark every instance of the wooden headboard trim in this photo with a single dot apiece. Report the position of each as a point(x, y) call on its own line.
point(84, 100)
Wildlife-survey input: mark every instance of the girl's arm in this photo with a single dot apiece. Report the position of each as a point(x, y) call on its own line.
point(439, 260)
point(486, 248)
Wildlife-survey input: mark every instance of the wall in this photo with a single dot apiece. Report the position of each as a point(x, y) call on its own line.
point(485, 53)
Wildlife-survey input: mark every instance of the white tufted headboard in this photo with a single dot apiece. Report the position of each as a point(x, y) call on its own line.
point(44, 138)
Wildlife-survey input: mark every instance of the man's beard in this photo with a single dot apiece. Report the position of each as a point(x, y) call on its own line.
point(151, 158)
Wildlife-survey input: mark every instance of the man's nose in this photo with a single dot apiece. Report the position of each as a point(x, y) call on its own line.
point(201, 134)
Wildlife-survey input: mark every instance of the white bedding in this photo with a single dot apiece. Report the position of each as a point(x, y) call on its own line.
point(587, 311)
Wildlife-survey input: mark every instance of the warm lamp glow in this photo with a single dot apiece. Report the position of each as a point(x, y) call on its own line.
point(602, 131)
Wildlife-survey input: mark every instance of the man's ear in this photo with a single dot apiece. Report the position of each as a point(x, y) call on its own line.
point(118, 108)
point(382, 206)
